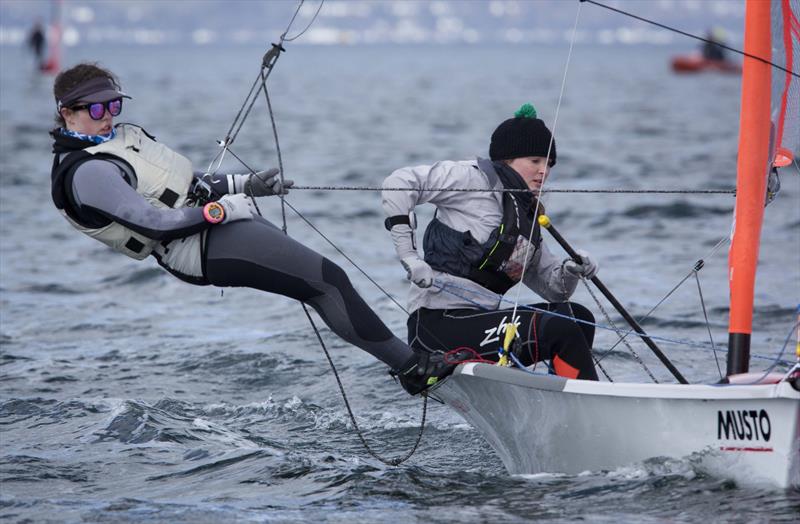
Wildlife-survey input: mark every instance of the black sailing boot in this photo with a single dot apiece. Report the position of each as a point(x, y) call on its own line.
point(426, 368)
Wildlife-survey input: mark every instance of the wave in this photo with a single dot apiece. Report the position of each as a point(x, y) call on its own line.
point(7, 358)
point(25, 468)
point(139, 276)
point(676, 209)
point(52, 288)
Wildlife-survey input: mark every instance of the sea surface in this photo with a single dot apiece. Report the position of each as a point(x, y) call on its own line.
point(128, 396)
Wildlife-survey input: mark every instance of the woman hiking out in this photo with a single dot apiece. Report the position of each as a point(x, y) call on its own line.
point(118, 185)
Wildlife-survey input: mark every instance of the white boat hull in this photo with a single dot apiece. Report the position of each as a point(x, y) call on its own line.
point(541, 423)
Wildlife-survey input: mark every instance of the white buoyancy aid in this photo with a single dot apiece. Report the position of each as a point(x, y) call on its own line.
point(161, 176)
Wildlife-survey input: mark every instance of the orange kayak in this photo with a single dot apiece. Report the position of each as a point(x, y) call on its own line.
point(698, 64)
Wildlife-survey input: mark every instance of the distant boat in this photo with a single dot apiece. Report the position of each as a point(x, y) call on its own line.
point(53, 64)
point(696, 63)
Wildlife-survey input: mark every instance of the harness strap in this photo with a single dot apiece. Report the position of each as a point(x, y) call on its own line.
point(395, 220)
point(496, 281)
point(506, 240)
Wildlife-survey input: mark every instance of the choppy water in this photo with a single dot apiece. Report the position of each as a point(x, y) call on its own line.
point(126, 395)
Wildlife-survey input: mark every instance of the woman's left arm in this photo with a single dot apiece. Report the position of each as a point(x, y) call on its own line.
point(98, 185)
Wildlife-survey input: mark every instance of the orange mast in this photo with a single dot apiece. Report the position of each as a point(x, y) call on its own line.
point(751, 181)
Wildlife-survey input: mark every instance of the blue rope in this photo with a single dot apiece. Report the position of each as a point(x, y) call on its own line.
point(524, 368)
point(778, 358)
point(616, 330)
point(776, 362)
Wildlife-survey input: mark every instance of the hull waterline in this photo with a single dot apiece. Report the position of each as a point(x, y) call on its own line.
point(541, 423)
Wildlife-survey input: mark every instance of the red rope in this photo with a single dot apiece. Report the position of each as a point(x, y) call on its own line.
point(475, 356)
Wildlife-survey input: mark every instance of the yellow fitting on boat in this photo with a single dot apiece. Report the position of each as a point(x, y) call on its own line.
point(511, 331)
point(544, 221)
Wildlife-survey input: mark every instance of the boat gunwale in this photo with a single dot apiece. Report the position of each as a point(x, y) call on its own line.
point(523, 379)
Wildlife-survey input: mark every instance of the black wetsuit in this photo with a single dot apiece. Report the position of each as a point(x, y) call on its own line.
point(246, 253)
point(542, 336)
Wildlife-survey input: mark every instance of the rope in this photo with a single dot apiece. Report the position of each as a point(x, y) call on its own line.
point(313, 19)
point(504, 190)
point(777, 361)
point(267, 64)
point(277, 147)
point(622, 339)
point(708, 324)
point(697, 267)
point(389, 462)
point(547, 160)
point(447, 288)
point(594, 357)
point(329, 241)
point(684, 33)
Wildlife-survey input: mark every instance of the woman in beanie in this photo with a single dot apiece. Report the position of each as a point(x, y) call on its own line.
point(121, 187)
point(474, 251)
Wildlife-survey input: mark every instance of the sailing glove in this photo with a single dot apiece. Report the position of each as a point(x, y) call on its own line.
point(266, 183)
point(587, 269)
point(237, 207)
point(419, 272)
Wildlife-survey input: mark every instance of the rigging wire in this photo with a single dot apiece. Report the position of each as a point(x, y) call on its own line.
point(708, 324)
point(690, 35)
point(268, 62)
point(534, 226)
point(313, 19)
point(539, 192)
point(449, 286)
point(512, 190)
point(339, 250)
point(777, 361)
point(621, 339)
point(697, 267)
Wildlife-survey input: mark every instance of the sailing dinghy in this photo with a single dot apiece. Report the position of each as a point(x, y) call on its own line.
point(747, 429)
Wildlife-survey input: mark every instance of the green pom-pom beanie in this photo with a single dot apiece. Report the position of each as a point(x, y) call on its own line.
point(526, 111)
point(521, 136)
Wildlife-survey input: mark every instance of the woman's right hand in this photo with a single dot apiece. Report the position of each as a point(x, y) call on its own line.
point(237, 207)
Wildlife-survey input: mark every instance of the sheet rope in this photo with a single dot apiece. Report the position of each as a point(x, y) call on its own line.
point(259, 86)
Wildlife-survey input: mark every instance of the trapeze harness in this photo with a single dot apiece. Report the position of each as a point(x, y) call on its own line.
point(246, 253)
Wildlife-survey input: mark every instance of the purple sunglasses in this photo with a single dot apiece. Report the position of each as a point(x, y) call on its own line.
point(98, 109)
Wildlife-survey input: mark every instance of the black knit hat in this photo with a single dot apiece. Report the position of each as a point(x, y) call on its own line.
point(523, 135)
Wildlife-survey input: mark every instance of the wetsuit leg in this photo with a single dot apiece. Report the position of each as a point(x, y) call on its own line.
point(256, 254)
point(562, 341)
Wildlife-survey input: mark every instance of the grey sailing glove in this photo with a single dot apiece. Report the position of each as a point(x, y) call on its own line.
point(419, 272)
point(263, 183)
point(587, 269)
point(237, 207)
